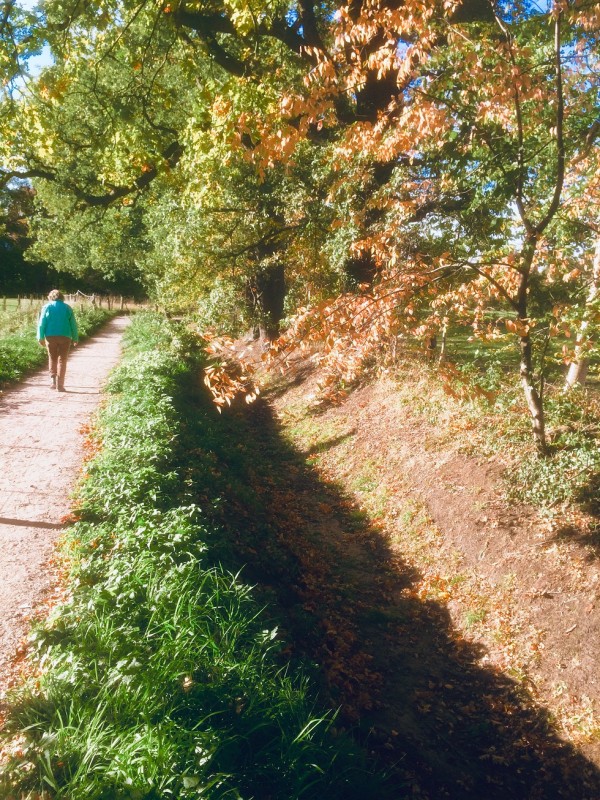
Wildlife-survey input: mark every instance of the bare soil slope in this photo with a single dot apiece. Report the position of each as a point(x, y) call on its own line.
point(458, 631)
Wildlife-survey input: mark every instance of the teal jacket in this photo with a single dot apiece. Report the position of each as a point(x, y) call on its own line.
point(57, 319)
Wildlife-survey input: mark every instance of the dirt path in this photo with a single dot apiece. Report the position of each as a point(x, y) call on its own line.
point(41, 451)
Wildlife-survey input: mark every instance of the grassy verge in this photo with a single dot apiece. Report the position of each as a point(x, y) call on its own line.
point(161, 676)
point(19, 349)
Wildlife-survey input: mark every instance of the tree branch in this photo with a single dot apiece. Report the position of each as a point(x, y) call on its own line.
point(493, 281)
point(560, 142)
point(207, 25)
point(520, 134)
point(171, 154)
point(6, 176)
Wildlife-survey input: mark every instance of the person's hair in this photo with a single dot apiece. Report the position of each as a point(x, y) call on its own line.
point(55, 294)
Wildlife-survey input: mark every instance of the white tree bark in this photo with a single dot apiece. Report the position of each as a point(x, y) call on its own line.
point(579, 366)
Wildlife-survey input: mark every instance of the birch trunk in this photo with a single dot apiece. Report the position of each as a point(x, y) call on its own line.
point(579, 366)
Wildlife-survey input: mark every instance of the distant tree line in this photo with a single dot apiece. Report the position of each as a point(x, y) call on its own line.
point(20, 275)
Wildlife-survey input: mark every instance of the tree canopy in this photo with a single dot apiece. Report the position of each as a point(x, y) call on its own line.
point(423, 163)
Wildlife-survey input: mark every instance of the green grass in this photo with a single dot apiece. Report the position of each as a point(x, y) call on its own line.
point(474, 617)
point(14, 318)
point(162, 675)
point(26, 303)
point(19, 349)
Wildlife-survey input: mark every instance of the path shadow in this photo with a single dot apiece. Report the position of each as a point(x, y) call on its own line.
point(588, 538)
point(411, 689)
point(47, 406)
point(335, 441)
point(586, 534)
point(28, 523)
point(297, 374)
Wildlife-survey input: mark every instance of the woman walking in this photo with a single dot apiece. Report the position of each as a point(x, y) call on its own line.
point(57, 330)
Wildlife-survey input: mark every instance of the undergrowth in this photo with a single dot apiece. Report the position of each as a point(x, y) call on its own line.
point(482, 403)
point(161, 676)
point(571, 471)
point(19, 349)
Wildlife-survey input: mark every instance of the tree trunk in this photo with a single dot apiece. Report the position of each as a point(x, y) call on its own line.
point(443, 346)
point(532, 396)
point(579, 366)
point(268, 290)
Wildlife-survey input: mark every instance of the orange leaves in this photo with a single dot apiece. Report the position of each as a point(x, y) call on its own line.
point(324, 71)
point(520, 327)
point(225, 382)
point(273, 139)
point(434, 587)
point(349, 333)
point(69, 519)
point(54, 88)
point(228, 377)
point(92, 443)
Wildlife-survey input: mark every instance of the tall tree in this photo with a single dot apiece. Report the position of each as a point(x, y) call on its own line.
point(442, 136)
point(489, 123)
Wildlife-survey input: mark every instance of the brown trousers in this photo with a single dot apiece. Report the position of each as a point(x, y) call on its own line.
point(58, 350)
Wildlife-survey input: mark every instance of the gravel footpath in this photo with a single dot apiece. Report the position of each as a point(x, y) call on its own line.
point(41, 453)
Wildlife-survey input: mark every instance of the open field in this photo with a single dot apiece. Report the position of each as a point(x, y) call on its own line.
point(23, 303)
point(27, 303)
